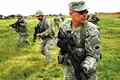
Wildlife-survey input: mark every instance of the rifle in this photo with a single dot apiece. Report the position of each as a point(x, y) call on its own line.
point(79, 73)
point(14, 24)
point(11, 25)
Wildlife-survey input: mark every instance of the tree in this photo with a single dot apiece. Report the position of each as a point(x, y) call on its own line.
point(12, 16)
point(1, 16)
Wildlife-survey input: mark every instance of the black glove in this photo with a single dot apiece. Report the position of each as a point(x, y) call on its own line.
point(63, 45)
point(13, 25)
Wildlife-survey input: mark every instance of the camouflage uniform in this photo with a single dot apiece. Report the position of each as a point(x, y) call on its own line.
point(47, 36)
point(93, 18)
point(87, 43)
point(21, 29)
point(56, 21)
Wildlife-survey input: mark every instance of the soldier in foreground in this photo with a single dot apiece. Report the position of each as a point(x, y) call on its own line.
point(21, 29)
point(93, 18)
point(79, 42)
point(45, 32)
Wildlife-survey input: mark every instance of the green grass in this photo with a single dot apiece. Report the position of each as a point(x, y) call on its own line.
point(110, 41)
point(27, 63)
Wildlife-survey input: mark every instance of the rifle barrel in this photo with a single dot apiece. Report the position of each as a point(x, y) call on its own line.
point(7, 26)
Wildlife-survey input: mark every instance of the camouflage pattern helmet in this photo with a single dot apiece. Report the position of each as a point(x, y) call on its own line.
point(39, 13)
point(78, 5)
point(19, 15)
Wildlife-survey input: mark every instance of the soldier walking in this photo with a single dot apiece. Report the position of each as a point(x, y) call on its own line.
point(79, 41)
point(21, 29)
point(45, 32)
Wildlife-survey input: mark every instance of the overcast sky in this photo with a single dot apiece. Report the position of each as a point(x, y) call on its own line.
point(28, 7)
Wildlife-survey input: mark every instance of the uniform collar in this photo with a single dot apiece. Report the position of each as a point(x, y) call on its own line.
point(77, 28)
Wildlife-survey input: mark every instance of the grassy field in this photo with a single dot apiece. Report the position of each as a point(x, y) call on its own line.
point(27, 63)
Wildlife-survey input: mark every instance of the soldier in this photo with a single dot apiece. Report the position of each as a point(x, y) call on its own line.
point(46, 33)
point(21, 29)
point(84, 46)
point(37, 31)
point(56, 21)
point(93, 18)
point(62, 18)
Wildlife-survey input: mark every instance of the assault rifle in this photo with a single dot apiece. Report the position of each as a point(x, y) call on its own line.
point(14, 24)
point(11, 25)
point(65, 45)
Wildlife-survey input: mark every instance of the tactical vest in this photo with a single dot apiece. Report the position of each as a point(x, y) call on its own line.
point(20, 28)
point(43, 27)
point(79, 49)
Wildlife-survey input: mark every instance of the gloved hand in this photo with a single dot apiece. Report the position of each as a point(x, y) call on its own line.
point(63, 45)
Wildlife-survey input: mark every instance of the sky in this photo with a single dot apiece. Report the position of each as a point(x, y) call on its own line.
point(29, 7)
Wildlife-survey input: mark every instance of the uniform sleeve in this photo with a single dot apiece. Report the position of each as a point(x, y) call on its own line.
point(92, 48)
point(48, 28)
